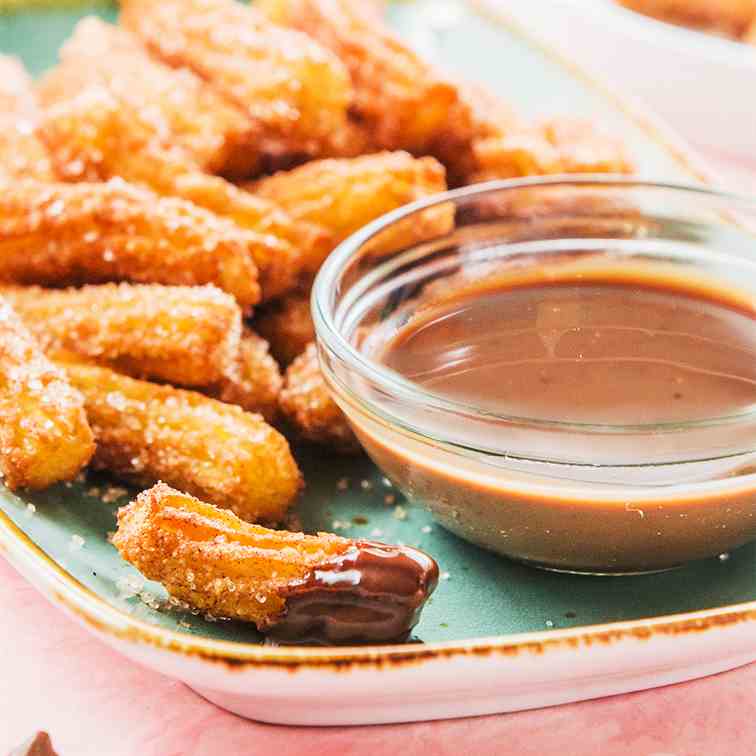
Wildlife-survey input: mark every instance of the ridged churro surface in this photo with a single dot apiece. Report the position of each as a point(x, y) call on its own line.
point(293, 87)
point(59, 234)
point(345, 194)
point(97, 136)
point(400, 98)
point(254, 380)
point(146, 432)
point(214, 133)
point(188, 335)
point(44, 434)
point(306, 403)
point(287, 325)
point(212, 560)
point(559, 145)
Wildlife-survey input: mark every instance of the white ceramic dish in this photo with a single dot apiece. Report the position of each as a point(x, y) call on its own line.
point(489, 644)
point(698, 82)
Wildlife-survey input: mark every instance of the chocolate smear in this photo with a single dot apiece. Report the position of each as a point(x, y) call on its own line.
point(373, 593)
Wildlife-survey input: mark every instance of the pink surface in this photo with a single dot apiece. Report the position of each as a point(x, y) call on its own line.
point(92, 701)
point(55, 676)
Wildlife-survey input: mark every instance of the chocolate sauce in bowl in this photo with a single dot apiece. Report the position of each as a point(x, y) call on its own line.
point(373, 593)
point(598, 418)
point(605, 352)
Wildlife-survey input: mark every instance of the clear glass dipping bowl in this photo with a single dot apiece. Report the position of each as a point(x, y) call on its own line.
point(564, 496)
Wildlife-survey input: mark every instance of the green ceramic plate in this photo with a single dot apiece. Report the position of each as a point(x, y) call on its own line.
point(480, 595)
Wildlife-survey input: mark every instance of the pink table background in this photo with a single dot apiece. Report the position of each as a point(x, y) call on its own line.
point(55, 676)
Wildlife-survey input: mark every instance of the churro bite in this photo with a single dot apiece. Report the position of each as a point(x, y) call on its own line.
point(401, 100)
point(254, 379)
point(307, 405)
point(97, 135)
point(190, 335)
point(147, 432)
point(345, 194)
point(478, 114)
point(44, 434)
point(287, 325)
point(61, 234)
point(295, 587)
point(295, 89)
point(22, 154)
point(218, 136)
point(559, 145)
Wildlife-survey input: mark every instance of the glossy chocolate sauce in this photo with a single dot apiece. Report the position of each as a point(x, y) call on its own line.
point(616, 352)
point(373, 593)
point(598, 346)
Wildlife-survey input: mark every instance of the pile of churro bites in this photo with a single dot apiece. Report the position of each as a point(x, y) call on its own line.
point(168, 192)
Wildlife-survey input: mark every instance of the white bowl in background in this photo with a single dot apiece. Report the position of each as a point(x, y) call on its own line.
point(700, 84)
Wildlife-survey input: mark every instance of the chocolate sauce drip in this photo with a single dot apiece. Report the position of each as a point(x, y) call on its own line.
point(373, 593)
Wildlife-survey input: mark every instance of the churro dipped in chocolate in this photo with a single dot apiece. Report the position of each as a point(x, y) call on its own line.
point(146, 432)
point(294, 587)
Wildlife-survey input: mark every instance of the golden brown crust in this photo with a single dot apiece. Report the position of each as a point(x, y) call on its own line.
point(254, 380)
point(216, 134)
point(345, 194)
point(44, 435)
point(58, 234)
point(749, 35)
point(399, 97)
point(287, 325)
point(728, 17)
point(212, 560)
point(22, 154)
point(294, 88)
point(478, 114)
point(97, 136)
point(560, 145)
point(188, 335)
point(146, 432)
point(307, 405)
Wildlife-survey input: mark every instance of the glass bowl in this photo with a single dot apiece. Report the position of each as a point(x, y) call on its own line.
point(569, 496)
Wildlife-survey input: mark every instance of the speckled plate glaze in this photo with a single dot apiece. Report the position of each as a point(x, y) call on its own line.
point(496, 636)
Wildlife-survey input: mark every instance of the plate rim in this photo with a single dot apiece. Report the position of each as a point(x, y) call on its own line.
point(63, 588)
point(31, 561)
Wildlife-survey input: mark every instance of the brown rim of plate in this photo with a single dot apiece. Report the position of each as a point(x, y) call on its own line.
point(97, 613)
